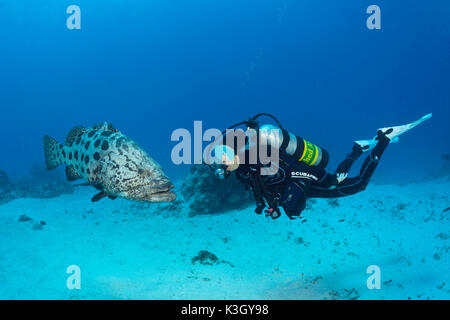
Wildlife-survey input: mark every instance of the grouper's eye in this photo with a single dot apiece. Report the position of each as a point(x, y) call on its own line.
point(144, 172)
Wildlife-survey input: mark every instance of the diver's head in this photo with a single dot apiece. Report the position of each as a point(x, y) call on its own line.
point(227, 159)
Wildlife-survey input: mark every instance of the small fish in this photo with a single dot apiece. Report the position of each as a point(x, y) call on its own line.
point(111, 162)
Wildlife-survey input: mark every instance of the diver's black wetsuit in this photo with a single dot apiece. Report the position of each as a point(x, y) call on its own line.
point(296, 181)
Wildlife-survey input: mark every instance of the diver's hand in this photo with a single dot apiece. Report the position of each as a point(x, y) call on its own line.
point(341, 177)
point(274, 213)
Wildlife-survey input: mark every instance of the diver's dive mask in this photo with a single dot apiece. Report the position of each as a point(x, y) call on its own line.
point(221, 152)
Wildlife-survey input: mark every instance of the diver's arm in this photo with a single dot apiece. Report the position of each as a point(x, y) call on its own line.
point(243, 175)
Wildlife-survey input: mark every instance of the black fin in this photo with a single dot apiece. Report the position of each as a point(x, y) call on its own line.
point(112, 197)
point(74, 134)
point(51, 149)
point(71, 174)
point(98, 187)
point(99, 196)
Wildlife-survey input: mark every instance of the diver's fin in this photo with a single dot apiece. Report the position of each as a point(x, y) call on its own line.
point(51, 152)
point(393, 132)
point(74, 133)
point(71, 174)
point(99, 196)
point(367, 145)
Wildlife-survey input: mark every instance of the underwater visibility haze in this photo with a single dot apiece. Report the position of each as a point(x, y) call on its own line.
point(108, 84)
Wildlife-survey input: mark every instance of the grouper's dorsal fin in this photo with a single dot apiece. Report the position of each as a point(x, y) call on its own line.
point(71, 174)
point(74, 134)
point(105, 126)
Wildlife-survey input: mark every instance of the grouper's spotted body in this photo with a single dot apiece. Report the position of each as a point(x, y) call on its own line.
point(111, 162)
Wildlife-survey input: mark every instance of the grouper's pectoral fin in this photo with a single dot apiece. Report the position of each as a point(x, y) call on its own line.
point(99, 196)
point(102, 194)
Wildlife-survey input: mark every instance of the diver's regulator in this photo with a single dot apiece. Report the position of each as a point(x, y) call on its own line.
point(221, 172)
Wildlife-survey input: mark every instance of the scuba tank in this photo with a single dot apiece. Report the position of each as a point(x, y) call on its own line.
point(299, 148)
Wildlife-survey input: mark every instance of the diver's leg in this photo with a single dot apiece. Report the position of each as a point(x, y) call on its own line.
point(371, 163)
point(347, 163)
point(359, 183)
point(377, 146)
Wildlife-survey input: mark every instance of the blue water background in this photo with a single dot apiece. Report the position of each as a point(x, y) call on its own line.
point(150, 67)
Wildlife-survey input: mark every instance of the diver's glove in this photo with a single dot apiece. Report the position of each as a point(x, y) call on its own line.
point(341, 177)
point(337, 179)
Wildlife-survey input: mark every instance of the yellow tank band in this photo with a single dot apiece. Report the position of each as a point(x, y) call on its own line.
point(304, 150)
point(310, 153)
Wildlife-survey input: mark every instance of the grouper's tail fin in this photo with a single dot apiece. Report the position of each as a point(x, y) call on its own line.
point(51, 151)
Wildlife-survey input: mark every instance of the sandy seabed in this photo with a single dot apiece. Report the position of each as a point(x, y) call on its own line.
point(127, 250)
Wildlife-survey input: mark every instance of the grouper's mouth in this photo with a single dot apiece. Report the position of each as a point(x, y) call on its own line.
point(165, 196)
point(161, 193)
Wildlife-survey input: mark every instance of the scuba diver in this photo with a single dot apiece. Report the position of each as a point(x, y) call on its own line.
point(301, 166)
